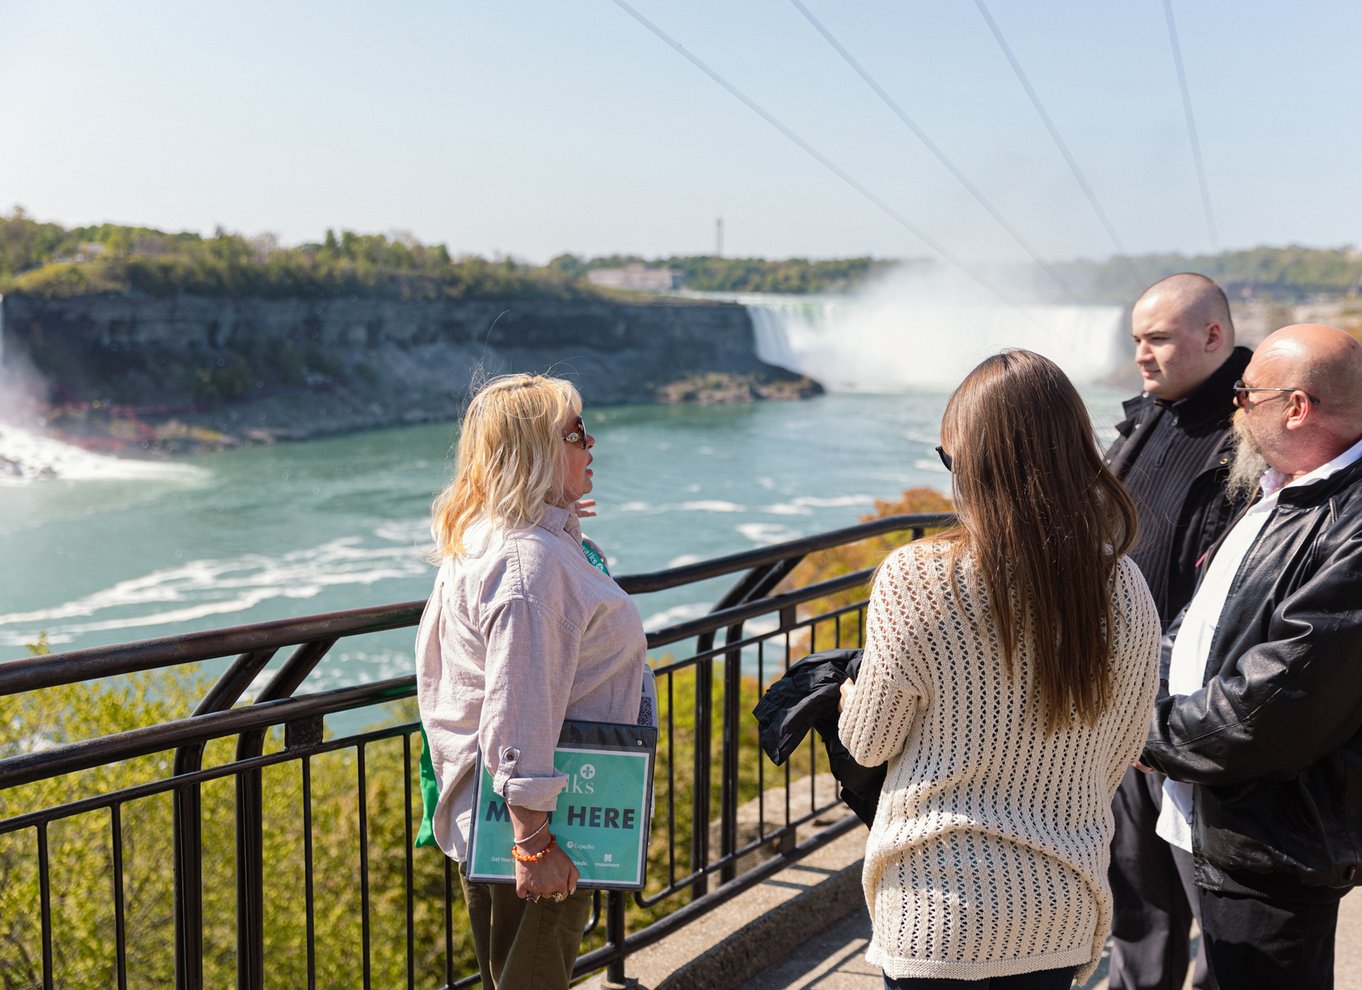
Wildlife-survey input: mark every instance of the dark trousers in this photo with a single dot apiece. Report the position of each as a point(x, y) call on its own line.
point(1253, 943)
point(522, 945)
point(1154, 898)
point(1042, 979)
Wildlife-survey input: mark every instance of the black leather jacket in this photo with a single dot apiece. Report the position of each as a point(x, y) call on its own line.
point(1274, 739)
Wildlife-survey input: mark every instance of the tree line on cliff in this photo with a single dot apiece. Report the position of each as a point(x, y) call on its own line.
point(49, 260)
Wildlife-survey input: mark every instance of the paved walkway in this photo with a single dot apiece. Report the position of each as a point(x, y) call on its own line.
point(834, 959)
point(806, 929)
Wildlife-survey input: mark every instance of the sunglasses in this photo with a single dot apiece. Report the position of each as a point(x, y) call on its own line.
point(945, 457)
point(579, 436)
point(1241, 393)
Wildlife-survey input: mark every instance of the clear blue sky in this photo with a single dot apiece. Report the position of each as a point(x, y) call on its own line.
point(533, 127)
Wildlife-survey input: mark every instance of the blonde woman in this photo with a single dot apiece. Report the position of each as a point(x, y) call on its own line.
point(522, 630)
point(1009, 670)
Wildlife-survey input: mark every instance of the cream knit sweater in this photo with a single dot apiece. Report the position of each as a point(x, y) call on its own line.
point(988, 856)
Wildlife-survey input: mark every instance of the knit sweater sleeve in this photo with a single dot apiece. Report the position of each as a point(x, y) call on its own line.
point(891, 687)
point(1137, 678)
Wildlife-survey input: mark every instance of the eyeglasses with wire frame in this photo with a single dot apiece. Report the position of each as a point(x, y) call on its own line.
point(1241, 392)
point(579, 436)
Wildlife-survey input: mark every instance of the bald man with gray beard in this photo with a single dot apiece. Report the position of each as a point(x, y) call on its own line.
point(1259, 730)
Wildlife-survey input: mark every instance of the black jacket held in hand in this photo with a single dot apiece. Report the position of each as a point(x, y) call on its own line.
point(1274, 739)
point(805, 698)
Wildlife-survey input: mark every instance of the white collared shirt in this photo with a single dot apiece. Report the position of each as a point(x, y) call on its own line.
point(1187, 667)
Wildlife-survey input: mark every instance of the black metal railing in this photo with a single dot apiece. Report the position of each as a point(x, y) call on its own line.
point(162, 848)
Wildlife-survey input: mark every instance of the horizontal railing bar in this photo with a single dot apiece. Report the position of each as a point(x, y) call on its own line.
point(637, 584)
point(715, 621)
point(140, 742)
point(151, 788)
point(89, 753)
point(52, 669)
point(756, 638)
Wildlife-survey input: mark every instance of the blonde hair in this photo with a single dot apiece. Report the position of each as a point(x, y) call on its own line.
point(508, 460)
point(1045, 521)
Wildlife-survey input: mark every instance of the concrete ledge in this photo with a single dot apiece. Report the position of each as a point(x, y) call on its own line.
point(756, 928)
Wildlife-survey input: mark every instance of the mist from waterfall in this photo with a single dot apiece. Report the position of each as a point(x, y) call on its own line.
point(902, 334)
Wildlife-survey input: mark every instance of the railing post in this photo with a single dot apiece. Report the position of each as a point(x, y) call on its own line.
point(188, 808)
point(700, 785)
point(250, 873)
point(728, 800)
point(614, 936)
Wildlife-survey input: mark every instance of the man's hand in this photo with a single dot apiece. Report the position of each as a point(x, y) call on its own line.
point(584, 508)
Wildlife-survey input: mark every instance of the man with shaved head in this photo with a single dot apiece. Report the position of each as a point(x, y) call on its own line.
point(1173, 451)
point(1260, 729)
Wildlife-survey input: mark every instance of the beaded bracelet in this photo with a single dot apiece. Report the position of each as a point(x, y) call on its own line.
point(524, 857)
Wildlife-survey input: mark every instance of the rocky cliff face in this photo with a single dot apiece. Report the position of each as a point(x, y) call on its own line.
point(295, 368)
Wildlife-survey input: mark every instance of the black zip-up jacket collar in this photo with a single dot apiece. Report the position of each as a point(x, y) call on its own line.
point(1212, 400)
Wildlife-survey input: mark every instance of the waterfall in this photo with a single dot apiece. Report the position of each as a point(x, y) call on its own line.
point(889, 344)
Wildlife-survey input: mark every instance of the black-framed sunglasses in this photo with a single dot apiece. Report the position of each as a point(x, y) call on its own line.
point(1241, 392)
point(945, 457)
point(579, 436)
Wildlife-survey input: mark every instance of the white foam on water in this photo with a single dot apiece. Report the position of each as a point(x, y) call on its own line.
point(711, 505)
point(833, 502)
point(805, 504)
point(765, 534)
point(683, 560)
point(411, 532)
point(198, 589)
point(27, 457)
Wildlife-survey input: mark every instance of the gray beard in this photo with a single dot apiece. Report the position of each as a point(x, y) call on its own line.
point(1248, 466)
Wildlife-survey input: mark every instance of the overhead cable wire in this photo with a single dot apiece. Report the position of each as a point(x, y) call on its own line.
point(1059, 143)
point(824, 160)
point(1191, 124)
point(931, 146)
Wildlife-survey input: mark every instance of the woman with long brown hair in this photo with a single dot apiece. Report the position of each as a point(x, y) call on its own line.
point(1010, 666)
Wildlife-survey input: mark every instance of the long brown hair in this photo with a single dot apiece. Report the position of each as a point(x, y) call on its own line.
point(1044, 520)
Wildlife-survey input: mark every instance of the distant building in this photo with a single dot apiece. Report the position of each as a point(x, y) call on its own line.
point(636, 278)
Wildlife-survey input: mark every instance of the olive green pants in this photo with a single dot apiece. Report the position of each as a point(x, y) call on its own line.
point(522, 945)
